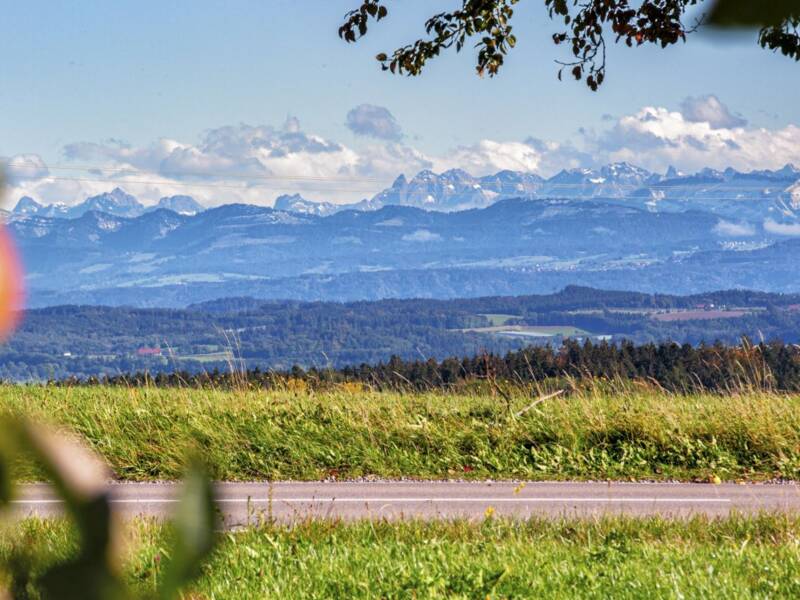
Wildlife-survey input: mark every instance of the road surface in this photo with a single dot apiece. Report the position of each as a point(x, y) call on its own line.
point(246, 503)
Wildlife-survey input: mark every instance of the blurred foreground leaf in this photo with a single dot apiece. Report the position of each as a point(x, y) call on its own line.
point(5, 480)
point(778, 22)
point(80, 479)
point(752, 13)
point(193, 538)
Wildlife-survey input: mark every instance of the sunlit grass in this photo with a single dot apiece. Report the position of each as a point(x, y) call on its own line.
point(145, 433)
point(738, 557)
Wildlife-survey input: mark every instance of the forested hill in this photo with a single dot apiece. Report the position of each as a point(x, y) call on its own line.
point(572, 297)
point(58, 342)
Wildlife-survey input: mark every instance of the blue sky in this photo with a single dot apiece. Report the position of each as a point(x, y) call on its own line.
point(78, 74)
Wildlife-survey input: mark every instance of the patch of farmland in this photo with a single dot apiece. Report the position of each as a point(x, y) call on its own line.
point(698, 315)
point(497, 319)
point(210, 357)
point(534, 331)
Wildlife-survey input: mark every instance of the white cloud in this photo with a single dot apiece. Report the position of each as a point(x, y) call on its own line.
point(704, 133)
point(257, 163)
point(790, 229)
point(729, 229)
point(422, 235)
point(489, 156)
point(389, 160)
point(241, 163)
point(239, 149)
point(24, 167)
point(557, 156)
point(656, 137)
point(709, 109)
point(374, 121)
point(543, 157)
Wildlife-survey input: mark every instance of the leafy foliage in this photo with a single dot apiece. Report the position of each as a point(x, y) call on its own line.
point(80, 480)
point(659, 22)
point(784, 38)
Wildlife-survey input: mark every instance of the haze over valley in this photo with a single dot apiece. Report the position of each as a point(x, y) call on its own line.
point(433, 235)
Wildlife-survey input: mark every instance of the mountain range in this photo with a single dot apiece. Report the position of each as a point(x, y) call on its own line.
point(437, 236)
point(774, 194)
point(116, 202)
point(771, 194)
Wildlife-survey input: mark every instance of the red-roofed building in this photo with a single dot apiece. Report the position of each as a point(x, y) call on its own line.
point(148, 352)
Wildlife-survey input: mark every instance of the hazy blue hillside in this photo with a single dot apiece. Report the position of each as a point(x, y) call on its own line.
point(619, 226)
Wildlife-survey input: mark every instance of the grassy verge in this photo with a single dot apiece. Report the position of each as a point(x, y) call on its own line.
point(145, 433)
point(610, 558)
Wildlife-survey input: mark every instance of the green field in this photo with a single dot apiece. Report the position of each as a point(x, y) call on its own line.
point(226, 356)
point(532, 330)
point(601, 432)
point(606, 558)
point(496, 320)
point(634, 432)
point(562, 330)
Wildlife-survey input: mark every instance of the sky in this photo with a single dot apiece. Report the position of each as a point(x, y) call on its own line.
point(245, 100)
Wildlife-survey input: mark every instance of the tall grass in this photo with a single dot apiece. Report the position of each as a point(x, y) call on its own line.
point(637, 432)
point(608, 558)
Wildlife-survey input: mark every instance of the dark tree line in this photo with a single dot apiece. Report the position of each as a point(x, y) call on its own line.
point(670, 366)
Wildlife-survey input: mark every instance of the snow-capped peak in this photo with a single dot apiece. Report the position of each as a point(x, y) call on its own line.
point(299, 205)
point(27, 206)
point(116, 202)
point(183, 205)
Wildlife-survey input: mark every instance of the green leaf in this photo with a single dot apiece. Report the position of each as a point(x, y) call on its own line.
point(194, 533)
point(78, 474)
point(7, 452)
point(80, 479)
point(5, 480)
point(752, 13)
point(82, 579)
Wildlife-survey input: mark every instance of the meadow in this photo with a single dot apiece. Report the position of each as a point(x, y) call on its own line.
point(633, 432)
point(756, 557)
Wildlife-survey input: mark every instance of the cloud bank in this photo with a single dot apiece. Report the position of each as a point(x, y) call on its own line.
point(729, 229)
point(789, 229)
point(655, 137)
point(257, 163)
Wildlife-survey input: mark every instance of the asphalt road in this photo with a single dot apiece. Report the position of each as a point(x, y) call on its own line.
point(246, 503)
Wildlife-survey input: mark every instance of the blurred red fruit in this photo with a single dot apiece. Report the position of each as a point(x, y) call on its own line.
point(11, 292)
